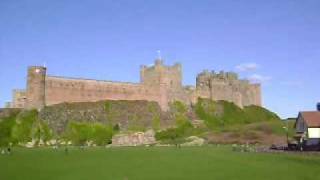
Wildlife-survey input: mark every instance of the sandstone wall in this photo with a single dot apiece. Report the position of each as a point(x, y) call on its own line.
point(159, 83)
point(18, 98)
point(170, 76)
point(60, 89)
point(227, 86)
point(36, 87)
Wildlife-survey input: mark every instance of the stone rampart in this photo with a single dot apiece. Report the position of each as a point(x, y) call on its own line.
point(158, 83)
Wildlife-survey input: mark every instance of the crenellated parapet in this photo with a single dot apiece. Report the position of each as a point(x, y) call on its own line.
point(160, 74)
point(159, 83)
point(227, 86)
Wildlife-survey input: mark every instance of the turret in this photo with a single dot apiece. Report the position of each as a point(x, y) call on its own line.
point(160, 74)
point(36, 87)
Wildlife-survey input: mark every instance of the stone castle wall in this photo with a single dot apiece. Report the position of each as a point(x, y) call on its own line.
point(227, 86)
point(60, 89)
point(18, 99)
point(159, 83)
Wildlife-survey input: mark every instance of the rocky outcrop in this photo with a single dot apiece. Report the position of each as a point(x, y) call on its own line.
point(193, 141)
point(130, 115)
point(134, 139)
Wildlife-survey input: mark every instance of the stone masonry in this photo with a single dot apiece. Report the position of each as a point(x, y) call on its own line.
point(159, 83)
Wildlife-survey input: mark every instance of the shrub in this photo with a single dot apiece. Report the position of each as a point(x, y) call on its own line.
point(81, 133)
point(41, 130)
point(22, 130)
point(78, 133)
point(6, 125)
point(178, 107)
point(101, 135)
point(170, 136)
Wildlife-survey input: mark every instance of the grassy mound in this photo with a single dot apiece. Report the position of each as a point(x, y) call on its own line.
point(229, 123)
point(218, 115)
point(94, 121)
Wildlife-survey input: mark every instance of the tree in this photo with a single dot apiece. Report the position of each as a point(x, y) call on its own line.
point(81, 133)
point(6, 125)
point(22, 130)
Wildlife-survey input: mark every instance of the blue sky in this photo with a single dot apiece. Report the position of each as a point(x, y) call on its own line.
point(275, 42)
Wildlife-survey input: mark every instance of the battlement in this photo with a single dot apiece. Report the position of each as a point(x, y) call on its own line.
point(18, 98)
point(228, 86)
point(84, 80)
point(159, 63)
point(159, 82)
point(161, 74)
point(219, 76)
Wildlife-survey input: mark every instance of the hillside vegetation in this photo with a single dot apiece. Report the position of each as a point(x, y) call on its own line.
point(129, 115)
point(222, 114)
point(97, 122)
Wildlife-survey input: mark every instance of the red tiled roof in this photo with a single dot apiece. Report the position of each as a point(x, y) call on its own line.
point(312, 118)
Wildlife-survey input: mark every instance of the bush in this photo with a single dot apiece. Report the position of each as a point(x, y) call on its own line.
point(178, 134)
point(6, 125)
point(78, 133)
point(41, 130)
point(22, 130)
point(101, 135)
point(170, 136)
point(81, 133)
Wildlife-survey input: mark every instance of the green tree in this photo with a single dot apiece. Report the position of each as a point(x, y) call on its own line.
point(80, 133)
point(101, 134)
point(6, 125)
point(22, 130)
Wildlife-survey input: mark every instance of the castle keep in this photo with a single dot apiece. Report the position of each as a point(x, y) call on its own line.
point(159, 83)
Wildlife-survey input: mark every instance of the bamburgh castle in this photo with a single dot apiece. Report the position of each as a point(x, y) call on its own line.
point(159, 83)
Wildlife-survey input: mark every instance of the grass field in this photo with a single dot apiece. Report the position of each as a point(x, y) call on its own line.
point(153, 163)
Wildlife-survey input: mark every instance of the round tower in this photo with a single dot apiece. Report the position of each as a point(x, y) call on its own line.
point(36, 87)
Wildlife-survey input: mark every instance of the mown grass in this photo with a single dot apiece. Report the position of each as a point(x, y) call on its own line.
point(155, 163)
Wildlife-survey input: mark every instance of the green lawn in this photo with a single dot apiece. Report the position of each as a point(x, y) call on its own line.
point(153, 163)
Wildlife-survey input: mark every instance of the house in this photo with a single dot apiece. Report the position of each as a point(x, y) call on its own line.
point(308, 130)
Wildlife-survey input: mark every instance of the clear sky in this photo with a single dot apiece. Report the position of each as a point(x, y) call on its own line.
point(274, 42)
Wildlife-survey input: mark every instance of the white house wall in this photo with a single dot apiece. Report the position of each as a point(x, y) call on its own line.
point(314, 132)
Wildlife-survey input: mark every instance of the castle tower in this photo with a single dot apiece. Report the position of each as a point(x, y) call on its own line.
point(171, 76)
point(36, 87)
point(162, 79)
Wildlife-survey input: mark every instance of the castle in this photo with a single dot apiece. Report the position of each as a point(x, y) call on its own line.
point(159, 83)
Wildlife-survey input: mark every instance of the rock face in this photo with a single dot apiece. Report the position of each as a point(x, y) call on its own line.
point(129, 115)
point(134, 139)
